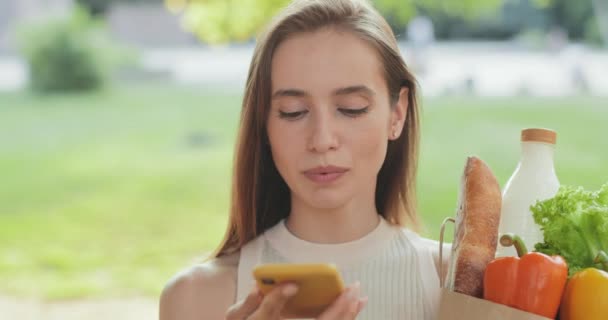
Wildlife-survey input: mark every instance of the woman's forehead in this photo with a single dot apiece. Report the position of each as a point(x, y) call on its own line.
point(326, 59)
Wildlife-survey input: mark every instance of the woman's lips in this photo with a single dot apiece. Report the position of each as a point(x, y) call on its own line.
point(325, 174)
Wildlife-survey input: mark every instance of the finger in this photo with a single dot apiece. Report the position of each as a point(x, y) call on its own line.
point(273, 303)
point(339, 306)
point(362, 304)
point(245, 307)
point(353, 309)
point(347, 306)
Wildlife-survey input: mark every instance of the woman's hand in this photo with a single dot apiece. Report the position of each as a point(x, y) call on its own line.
point(255, 307)
point(347, 306)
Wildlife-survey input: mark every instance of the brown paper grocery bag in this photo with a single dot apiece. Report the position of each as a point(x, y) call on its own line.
point(457, 306)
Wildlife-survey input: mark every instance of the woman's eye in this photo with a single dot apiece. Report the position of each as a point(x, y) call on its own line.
point(291, 115)
point(354, 112)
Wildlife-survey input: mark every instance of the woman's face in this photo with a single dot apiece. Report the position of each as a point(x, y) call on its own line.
point(330, 118)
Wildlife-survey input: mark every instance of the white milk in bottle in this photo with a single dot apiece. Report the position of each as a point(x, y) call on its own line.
point(534, 179)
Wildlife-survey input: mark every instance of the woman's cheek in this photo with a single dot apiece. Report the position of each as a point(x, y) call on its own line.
point(286, 156)
point(371, 149)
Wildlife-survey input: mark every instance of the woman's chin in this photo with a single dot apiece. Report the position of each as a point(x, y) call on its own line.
point(327, 200)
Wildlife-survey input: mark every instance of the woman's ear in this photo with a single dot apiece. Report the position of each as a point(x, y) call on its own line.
point(399, 114)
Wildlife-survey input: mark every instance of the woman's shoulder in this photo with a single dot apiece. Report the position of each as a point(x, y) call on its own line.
point(206, 289)
point(431, 246)
point(423, 242)
point(434, 247)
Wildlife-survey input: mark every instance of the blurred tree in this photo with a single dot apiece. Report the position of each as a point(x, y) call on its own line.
point(578, 19)
point(582, 19)
point(101, 7)
point(95, 7)
point(64, 54)
point(505, 23)
point(571, 15)
point(601, 15)
point(217, 21)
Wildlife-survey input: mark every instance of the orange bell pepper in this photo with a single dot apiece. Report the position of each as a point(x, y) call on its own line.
point(532, 282)
point(586, 296)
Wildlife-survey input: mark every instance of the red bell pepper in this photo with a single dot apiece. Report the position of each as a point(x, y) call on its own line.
point(532, 282)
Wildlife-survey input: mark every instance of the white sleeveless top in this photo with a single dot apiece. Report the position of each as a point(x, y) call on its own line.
point(395, 266)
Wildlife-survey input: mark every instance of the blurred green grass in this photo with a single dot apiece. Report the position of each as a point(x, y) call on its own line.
point(109, 194)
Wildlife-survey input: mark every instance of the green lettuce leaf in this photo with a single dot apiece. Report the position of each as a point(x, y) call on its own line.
point(574, 225)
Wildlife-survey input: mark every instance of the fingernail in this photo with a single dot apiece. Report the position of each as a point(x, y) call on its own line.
point(363, 302)
point(289, 290)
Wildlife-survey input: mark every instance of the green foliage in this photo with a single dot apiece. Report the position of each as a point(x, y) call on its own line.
point(218, 21)
point(64, 54)
point(71, 54)
point(396, 12)
point(571, 15)
point(95, 7)
point(592, 32)
point(101, 7)
point(579, 18)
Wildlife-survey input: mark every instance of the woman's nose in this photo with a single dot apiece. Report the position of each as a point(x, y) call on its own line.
point(322, 137)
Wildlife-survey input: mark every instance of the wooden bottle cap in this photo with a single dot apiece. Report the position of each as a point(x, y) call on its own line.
point(539, 135)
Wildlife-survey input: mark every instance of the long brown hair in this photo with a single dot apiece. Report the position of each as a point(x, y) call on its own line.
point(260, 196)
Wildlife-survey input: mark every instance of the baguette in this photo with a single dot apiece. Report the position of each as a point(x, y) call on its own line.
point(476, 232)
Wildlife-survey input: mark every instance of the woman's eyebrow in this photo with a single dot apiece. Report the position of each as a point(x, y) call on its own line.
point(338, 92)
point(354, 89)
point(289, 93)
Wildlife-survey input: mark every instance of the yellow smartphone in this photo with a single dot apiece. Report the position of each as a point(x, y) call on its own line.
point(318, 286)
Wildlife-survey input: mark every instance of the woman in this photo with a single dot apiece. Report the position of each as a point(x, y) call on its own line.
point(325, 171)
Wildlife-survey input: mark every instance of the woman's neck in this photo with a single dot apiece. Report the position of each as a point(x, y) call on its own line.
point(336, 225)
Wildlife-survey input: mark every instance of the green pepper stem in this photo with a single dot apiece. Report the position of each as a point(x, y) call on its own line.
point(602, 258)
point(511, 239)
